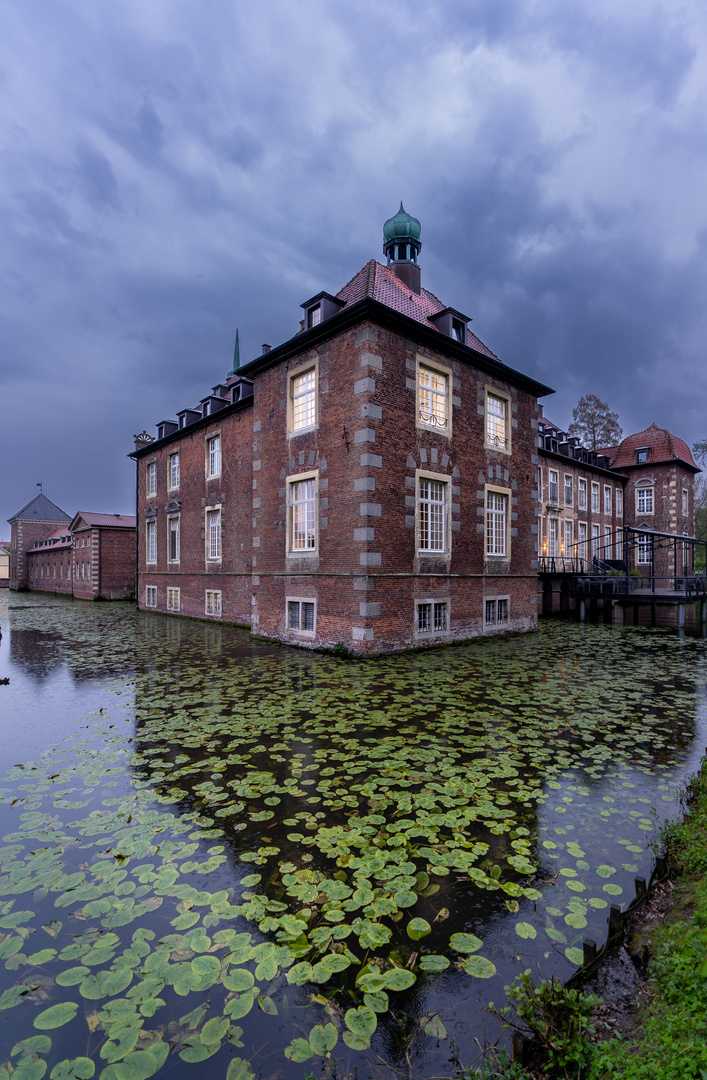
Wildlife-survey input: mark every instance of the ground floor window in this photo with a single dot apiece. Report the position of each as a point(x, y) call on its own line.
point(301, 616)
point(643, 550)
point(595, 541)
point(213, 601)
point(496, 611)
point(150, 596)
point(432, 616)
point(173, 599)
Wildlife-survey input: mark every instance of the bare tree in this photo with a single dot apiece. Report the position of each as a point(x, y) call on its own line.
point(699, 452)
point(594, 424)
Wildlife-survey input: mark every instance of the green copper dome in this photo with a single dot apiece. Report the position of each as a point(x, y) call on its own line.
point(401, 227)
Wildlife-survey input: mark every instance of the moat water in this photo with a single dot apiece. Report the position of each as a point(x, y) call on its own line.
point(223, 858)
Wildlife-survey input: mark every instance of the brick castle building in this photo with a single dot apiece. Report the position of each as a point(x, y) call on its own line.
point(90, 556)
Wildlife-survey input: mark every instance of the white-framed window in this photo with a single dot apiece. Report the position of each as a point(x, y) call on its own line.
point(607, 500)
point(568, 490)
point(568, 552)
point(595, 541)
point(619, 502)
point(431, 617)
point(88, 571)
point(151, 541)
point(152, 478)
point(582, 540)
point(607, 542)
point(174, 470)
point(173, 599)
point(302, 510)
point(553, 493)
point(150, 596)
point(212, 602)
point(302, 615)
point(432, 516)
point(496, 522)
point(213, 534)
point(643, 550)
point(582, 494)
point(619, 544)
point(644, 500)
point(303, 400)
point(173, 539)
point(433, 398)
point(213, 456)
point(642, 455)
point(497, 430)
point(552, 536)
point(684, 502)
point(595, 497)
point(496, 612)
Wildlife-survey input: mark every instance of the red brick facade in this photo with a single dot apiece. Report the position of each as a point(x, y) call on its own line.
point(371, 460)
point(92, 559)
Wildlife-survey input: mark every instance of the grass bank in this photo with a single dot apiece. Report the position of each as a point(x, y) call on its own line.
point(669, 1036)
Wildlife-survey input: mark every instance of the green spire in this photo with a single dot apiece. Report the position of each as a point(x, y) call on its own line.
point(236, 359)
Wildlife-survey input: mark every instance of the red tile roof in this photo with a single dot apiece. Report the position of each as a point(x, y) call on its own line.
point(382, 284)
point(662, 444)
point(40, 545)
point(122, 521)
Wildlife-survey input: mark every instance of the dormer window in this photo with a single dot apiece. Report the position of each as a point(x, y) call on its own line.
point(452, 323)
point(642, 455)
point(314, 316)
point(458, 330)
point(321, 307)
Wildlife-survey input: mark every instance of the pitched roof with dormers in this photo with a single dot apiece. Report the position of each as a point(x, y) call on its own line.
point(382, 284)
point(40, 508)
point(94, 521)
point(60, 539)
point(661, 444)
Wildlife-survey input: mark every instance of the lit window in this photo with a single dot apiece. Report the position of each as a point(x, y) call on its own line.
point(174, 470)
point(432, 392)
point(151, 545)
point(582, 494)
point(644, 500)
point(174, 539)
point(151, 596)
point(152, 478)
point(496, 518)
point(213, 602)
point(304, 400)
point(213, 534)
point(553, 493)
point(619, 501)
point(568, 490)
point(496, 421)
point(173, 599)
point(214, 451)
point(301, 616)
point(595, 498)
point(432, 515)
point(303, 515)
point(607, 500)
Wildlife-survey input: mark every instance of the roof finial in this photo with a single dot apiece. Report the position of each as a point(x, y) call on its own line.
point(236, 358)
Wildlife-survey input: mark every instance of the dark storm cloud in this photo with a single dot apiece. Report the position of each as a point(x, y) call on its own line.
point(172, 172)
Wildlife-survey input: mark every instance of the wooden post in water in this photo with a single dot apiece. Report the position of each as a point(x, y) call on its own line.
point(614, 921)
point(590, 952)
point(640, 888)
point(681, 616)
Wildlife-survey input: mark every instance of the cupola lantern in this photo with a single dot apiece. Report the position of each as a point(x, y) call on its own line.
point(401, 246)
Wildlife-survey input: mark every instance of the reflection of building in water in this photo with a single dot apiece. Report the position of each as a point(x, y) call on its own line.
point(4, 563)
point(213, 639)
point(36, 652)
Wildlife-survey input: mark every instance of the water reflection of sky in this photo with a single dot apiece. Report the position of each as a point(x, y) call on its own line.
point(607, 780)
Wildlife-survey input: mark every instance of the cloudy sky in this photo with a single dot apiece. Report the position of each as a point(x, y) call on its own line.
point(172, 170)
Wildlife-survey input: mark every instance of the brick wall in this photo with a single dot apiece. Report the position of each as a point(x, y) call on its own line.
point(24, 535)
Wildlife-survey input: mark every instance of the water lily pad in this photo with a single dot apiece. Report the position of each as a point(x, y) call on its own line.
point(525, 930)
point(418, 928)
point(80, 1068)
point(479, 967)
point(465, 943)
point(434, 962)
point(323, 1039)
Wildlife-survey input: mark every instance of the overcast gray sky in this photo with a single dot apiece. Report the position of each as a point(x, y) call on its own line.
point(174, 170)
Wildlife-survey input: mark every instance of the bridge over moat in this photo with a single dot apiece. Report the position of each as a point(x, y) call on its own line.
point(650, 569)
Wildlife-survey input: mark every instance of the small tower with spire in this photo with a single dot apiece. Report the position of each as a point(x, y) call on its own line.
point(236, 359)
point(401, 246)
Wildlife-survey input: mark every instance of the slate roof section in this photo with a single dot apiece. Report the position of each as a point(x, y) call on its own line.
point(40, 508)
point(113, 521)
point(662, 446)
point(382, 284)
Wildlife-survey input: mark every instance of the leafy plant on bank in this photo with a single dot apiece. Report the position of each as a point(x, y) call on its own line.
point(558, 1018)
